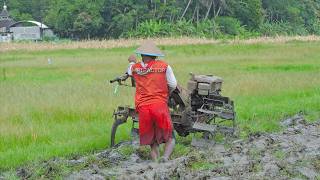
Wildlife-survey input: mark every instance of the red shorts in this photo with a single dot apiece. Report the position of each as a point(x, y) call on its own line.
point(155, 124)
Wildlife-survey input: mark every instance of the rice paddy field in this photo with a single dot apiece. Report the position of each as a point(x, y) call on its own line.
point(58, 102)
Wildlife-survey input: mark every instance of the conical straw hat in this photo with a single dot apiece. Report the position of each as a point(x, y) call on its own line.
point(150, 49)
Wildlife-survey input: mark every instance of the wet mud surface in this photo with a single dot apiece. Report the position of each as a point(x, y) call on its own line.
point(291, 154)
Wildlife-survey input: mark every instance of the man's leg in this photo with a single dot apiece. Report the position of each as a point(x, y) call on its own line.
point(164, 128)
point(168, 148)
point(146, 131)
point(154, 151)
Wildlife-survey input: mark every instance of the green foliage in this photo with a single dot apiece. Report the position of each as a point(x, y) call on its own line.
point(83, 19)
point(283, 28)
point(279, 154)
point(291, 17)
point(86, 24)
point(207, 28)
point(153, 28)
point(126, 150)
point(204, 166)
point(180, 149)
point(230, 25)
point(249, 12)
point(185, 27)
point(199, 161)
point(315, 28)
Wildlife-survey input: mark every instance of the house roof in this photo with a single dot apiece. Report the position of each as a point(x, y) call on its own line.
point(6, 23)
point(4, 13)
point(39, 24)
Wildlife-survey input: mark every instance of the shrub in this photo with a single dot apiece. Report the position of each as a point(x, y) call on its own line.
point(150, 28)
point(230, 25)
point(184, 28)
point(282, 28)
point(205, 29)
point(273, 29)
point(223, 27)
point(315, 28)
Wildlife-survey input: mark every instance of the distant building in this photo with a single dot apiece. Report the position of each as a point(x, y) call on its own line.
point(22, 30)
point(5, 22)
point(30, 30)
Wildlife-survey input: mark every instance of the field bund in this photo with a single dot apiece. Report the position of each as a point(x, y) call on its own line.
point(57, 101)
point(122, 43)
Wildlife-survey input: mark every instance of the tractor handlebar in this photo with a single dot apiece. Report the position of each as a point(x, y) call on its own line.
point(119, 79)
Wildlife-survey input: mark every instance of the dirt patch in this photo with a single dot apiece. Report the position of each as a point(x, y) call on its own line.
point(293, 153)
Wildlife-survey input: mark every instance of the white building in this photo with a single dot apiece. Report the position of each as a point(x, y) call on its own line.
point(22, 30)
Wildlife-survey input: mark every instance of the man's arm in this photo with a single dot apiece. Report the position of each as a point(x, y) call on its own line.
point(129, 70)
point(171, 79)
point(132, 60)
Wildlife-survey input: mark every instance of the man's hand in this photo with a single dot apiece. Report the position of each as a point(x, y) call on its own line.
point(132, 58)
point(171, 90)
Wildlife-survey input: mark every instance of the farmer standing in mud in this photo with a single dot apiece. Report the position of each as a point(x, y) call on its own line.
point(154, 81)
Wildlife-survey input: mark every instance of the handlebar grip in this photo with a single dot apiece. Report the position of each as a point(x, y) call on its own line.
point(115, 80)
point(120, 78)
point(112, 81)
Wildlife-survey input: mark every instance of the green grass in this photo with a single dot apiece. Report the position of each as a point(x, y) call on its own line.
point(204, 166)
point(66, 108)
point(279, 155)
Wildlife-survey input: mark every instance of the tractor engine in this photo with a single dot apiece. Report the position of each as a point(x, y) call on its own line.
point(205, 109)
point(201, 87)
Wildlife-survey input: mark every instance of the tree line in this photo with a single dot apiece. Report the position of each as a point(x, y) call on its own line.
point(82, 19)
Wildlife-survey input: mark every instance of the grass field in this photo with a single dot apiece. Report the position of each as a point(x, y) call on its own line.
point(66, 107)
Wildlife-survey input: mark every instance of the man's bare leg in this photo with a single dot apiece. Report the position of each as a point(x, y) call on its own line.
point(154, 151)
point(168, 148)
